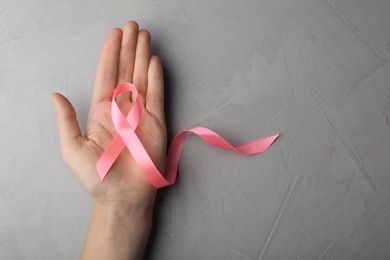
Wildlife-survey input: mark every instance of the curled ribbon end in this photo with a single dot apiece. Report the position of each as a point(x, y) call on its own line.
point(101, 175)
point(274, 137)
point(101, 169)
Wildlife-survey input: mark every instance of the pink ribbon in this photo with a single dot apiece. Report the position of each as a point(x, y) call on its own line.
point(126, 136)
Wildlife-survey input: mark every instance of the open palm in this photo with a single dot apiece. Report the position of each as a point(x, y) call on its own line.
point(125, 57)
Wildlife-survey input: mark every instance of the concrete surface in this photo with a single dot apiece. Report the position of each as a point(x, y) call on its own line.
point(315, 71)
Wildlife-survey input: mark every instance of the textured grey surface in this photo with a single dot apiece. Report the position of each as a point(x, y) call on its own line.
point(316, 71)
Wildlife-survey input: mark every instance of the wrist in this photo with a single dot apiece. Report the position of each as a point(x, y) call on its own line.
point(130, 223)
point(124, 212)
point(118, 230)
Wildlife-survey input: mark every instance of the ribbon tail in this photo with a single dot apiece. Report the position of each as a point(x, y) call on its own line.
point(109, 156)
point(212, 138)
point(257, 146)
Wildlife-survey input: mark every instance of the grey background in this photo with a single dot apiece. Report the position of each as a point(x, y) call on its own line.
point(315, 71)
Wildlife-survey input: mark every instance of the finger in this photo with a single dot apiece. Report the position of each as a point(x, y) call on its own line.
point(155, 91)
point(127, 57)
point(68, 126)
point(142, 58)
point(106, 73)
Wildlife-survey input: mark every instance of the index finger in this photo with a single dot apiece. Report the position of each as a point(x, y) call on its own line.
point(107, 70)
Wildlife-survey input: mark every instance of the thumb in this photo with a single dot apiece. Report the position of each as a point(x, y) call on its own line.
point(68, 126)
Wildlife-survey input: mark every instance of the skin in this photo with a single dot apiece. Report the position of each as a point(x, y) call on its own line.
point(123, 201)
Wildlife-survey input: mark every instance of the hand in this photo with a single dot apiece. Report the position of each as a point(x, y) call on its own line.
point(125, 57)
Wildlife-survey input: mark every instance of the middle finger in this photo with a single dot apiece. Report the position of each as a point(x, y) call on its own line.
point(127, 57)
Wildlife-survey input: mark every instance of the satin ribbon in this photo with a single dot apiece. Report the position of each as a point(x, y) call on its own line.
point(126, 136)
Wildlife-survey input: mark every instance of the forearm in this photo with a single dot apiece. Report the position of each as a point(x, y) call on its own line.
point(118, 232)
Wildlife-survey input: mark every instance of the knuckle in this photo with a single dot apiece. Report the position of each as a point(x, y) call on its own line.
point(140, 82)
point(124, 74)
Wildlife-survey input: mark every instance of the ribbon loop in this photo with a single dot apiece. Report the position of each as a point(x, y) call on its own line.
point(126, 136)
